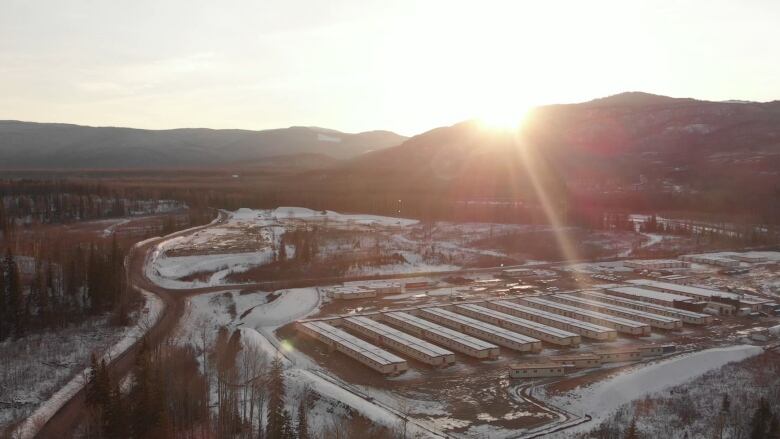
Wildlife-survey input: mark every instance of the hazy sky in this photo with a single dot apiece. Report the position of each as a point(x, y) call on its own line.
point(359, 65)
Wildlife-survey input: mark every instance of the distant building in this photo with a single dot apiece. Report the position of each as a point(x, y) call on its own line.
point(419, 285)
point(577, 360)
point(536, 370)
point(656, 264)
point(619, 355)
point(380, 286)
point(518, 272)
point(711, 259)
point(349, 292)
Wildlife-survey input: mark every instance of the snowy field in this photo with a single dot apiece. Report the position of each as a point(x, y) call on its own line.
point(249, 238)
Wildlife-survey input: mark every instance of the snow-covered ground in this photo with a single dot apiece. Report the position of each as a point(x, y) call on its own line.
point(601, 399)
point(258, 315)
point(148, 316)
point(247, 240)
point(302, 213)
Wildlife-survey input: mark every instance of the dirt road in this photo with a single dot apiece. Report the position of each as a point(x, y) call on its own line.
point(64, 423)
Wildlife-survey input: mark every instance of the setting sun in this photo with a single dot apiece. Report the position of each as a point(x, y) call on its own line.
point(504, 118)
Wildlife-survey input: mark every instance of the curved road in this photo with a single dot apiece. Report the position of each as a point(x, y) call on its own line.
point(65, 421)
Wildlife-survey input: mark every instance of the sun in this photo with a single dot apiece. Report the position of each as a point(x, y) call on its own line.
point(507, 117)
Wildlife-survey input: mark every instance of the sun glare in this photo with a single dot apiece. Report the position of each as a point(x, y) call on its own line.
point(504, 119)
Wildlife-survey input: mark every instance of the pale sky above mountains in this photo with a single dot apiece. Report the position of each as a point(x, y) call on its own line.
point(358, 65)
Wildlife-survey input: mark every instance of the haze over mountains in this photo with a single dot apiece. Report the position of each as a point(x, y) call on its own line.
point(605, 141)
point(57, 146)
point(613, 138)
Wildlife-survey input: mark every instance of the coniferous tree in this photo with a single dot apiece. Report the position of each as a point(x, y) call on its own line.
point(632, 432)
point(90, 390)
point(287, 428)
point(4, 306)
point(276, 390)
point(303, 421)
point(759, 424)
point(15, 302)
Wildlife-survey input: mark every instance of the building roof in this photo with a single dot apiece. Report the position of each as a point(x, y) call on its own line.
point(411, 341)
point(572, 357)
point(529, 366)
point(552, 316)
point(365, 348)
point(650, 294)
point(478, 324)
point(467, 340)
point(594, 314)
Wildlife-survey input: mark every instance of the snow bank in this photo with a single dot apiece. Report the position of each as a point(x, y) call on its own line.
point(182, 266)
point(292, 304)
point(303, 213)
point(149, 315)
point(604, 397)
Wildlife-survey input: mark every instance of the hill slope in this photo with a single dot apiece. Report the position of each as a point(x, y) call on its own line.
point(628, 144)
point(44, 145)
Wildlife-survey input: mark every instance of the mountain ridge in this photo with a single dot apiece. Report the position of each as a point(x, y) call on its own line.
point(69, 146)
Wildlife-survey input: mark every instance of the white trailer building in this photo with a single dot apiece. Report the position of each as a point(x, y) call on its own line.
point(444, 336)
point(486, 331)
point(654, 320)
point(402, 342)
point(626, 326)
point(542, 332)
point(372, 356)
point(655, 264)
point(585, 329)
point(536, 370)
point(701, 293)
point(690, 317)
point(649, 296)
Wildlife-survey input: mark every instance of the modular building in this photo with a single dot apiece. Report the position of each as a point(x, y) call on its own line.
point(536, 370)
point(485, 331)
point(654, 350)
point(542, 332)
point(620, 324)
point(372, 356)
point(654, 320)
point(746, 257)
point(650, 296)
point(619, 355)
point(711, 260)
point(419, 285)
point(518, 272)
point(677, 279)
point(444, 336)
point(402, 342)
point(577, 360)
point(656, 264)
point(584, 329)
point(754, 303)
point(690, 317)
point(380, 286)
point(349, 292)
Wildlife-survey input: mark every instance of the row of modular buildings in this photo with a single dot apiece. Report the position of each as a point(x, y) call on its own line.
point(717, 301)
point(656, 264)
point(560, 365)
point(363, 290)
point(478, 329)
point(730, 259)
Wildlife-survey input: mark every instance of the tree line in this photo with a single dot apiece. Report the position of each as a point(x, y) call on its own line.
point(84, 280)
point(223, 389)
